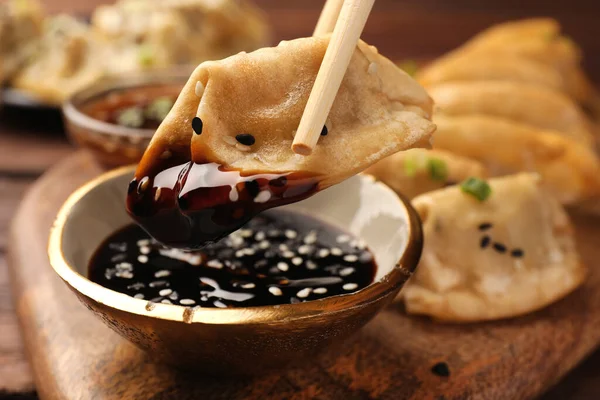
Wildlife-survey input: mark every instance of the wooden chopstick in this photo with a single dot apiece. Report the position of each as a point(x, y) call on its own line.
point(328, 17)
point(348, 28)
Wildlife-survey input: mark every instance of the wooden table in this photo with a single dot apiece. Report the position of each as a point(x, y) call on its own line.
point(30, 143)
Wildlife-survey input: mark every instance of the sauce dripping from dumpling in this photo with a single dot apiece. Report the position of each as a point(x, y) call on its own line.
point(189, 205)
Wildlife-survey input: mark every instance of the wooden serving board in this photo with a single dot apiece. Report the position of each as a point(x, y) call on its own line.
point(74, 356)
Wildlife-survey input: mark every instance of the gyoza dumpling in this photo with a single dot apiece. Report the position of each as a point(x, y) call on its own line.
point(245, 109)
point(508, 255)
point(20, 27)
point(537, 106)
point(417, 171)
point(570, 170)
point(67, 59)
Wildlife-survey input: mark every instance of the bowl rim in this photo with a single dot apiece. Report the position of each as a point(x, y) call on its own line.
point(128, 80)
point(272, 314)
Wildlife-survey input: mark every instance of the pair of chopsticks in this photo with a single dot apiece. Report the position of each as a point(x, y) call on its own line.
point(347, 19)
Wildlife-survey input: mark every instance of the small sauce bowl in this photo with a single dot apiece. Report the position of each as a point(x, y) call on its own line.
point(89, 114)
point(245, 340)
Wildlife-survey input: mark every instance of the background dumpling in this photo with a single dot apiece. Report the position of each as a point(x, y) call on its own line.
point(417, 171)
point(506, 256)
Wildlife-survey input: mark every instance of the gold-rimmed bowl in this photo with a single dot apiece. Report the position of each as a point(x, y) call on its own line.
point(240, 340)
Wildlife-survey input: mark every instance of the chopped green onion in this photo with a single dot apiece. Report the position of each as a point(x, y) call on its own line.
point(410, 167)
point(132, 117)
point(145, 56)
point(409, 66)
point(159, 108)
point(438, 169)
point(477, 188)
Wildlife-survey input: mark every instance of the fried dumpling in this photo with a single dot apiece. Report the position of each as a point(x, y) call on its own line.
point(570, 170)
point(245, 109)
point(511, 254)
point(537, 106)
point(417, 171)
point(67, 59)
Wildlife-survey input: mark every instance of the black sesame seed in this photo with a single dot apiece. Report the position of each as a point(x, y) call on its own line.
point(132, 186)
point(500, 248)
point(252, 187)
point(517, 253)
point(245, 139)
point(197, 125)
point(485, 242)
point(324, 131)
point(441, 369)
point(279, 182)
point(485, 226)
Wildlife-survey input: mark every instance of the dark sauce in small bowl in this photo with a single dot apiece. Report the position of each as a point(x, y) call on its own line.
point(279, 257)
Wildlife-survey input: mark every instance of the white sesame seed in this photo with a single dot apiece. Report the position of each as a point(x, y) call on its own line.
point(203, 298)
point(296, 261)
point(233, 194)
point(343, 239)
point(240, 253)
point(145, 250)
point(124, 266)
point(275, 291)
point(282, 266)
point(304, 249)
point(288, 254)
point(283, 247)
point(139, 296)
point(165, 292)
point(260, 236)
point(263, 197)
point(214, 264)
point(229, 140)
point(351, 258)
point(290, 234)
point(143, 242)
point(162, 273)
point(246, 233)
point(124, 275)
point(242, 147)
point(346, 271)
point(311, 265)
point(336, 251)
point(187, 302)
point(199, 89)
point(165, 301)
point(143, 259)
point(310, 238)
point(304, 293)
point(174, 296)
point(323, 253)
point(248, 285)
point(264, 245)
point(273, 233)
point(320, 290)
point(237, 241)
point(350, 286)
point(250, 252)
point(372, 68)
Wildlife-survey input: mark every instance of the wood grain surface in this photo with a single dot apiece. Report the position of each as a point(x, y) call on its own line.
point(74, 356)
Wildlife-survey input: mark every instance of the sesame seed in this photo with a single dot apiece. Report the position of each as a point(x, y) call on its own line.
point(485, 242)
point(499, 247)
point(124, 275)
point(139, 296)
point(246, 233)
point(288, 254)
point(275, 291)
point(517, 253)
point(136, 286)
point(283, 247)
point(260, 236)
point(263, 197)
point(197, 125)
point(240, 253)
point(304, 249)
point(162, 273)
point(199, 89)
point(214, 264)
point(142, 259)
point(304, 293)
point(311, 265)
point(143, 242)
point(157, 194)
point(324, 131)
point(365, 257)
point(484, 226)
point(242, 147)
point(143, 185)
point(248, 285)
point(372, 68)
point(145, 250)
point(346, 271)
point(245, 139)
point(290, 234)
point(311, 238)
point(296, 261)
point(166, 155)
point(264, 245)
point(261, 263)
point(323, 253)
point(336, 251)
point(233, 194)
point(320, 290)
point(282, 266)
point(229, 140)
point(203, 298)
point(165, 301)
point(165, 292)
point(187, 302)
point(158, 284)
point(343, 239)
point(174, 296)
point(273, 233)
point(350, 286)
point(351, 258)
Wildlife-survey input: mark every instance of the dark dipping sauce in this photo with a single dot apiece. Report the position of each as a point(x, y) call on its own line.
point(279, 257)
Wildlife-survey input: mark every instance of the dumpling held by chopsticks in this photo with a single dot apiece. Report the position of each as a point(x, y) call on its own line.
point(227, 141)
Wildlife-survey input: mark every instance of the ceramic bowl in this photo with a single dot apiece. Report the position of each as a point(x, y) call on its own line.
point(240, 340)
